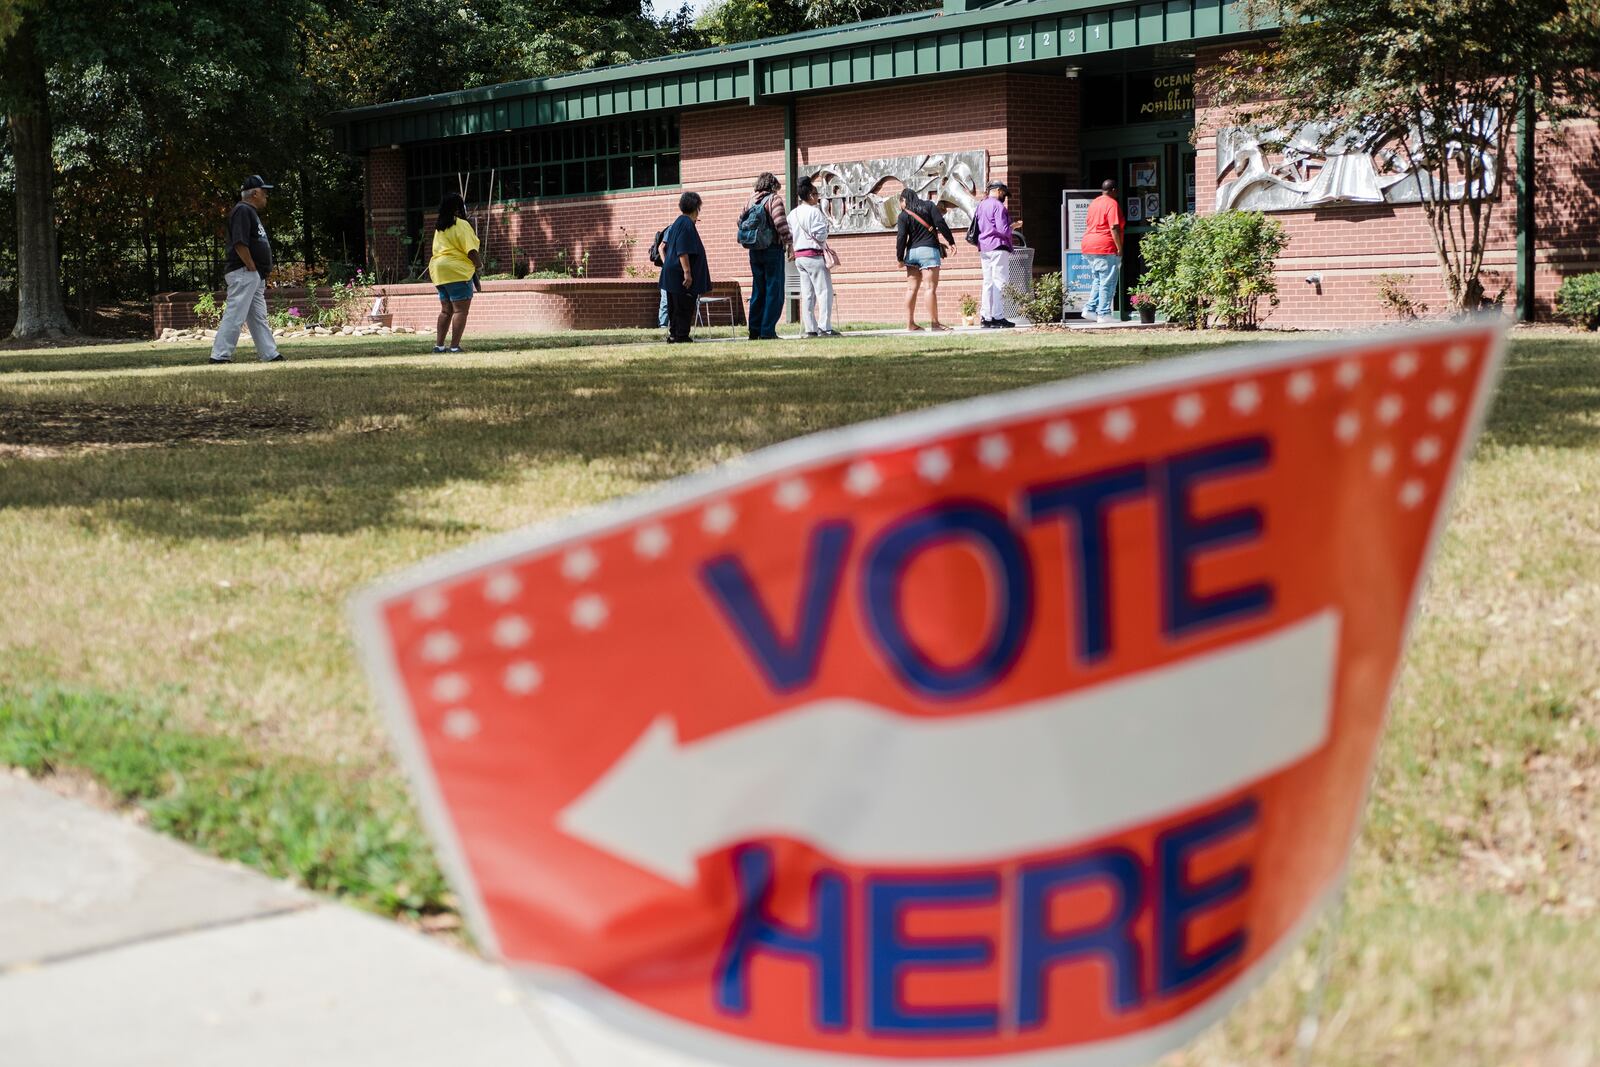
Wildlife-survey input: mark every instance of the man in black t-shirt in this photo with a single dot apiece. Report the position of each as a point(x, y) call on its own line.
point(249, 263)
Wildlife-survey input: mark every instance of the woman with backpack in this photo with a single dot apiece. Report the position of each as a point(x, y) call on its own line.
point(812, 258)
point(684, 273)
point(454, 264)
point(922, 241)
point(764, 230)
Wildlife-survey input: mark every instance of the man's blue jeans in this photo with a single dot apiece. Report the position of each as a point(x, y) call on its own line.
point(1103, 295)
point(661, 313)
point(766, 290)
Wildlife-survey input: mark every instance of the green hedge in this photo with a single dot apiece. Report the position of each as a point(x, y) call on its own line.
point(1212, 270)
point(1578, 299)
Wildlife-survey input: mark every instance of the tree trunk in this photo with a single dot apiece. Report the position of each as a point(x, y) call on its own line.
point(41, 311)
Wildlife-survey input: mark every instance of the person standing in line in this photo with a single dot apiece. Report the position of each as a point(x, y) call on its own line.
point(455, 263)
point(767, 264)
point(248, 267)
point(684, 272)
point(922, 240)
point(994, 249)
point(812, 257)
point(1102, 247)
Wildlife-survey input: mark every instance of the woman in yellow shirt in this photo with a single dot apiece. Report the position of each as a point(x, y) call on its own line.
point(455, 261)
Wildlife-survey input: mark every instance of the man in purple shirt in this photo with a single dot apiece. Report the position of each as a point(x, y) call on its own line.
point(994, 249)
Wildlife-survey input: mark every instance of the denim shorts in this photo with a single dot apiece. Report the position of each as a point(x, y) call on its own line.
point(452, 292)
point(923, 258)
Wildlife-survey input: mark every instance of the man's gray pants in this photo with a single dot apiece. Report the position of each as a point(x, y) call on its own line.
point(247, 304)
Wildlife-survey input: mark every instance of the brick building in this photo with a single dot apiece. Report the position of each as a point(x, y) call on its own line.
point(1045, 95)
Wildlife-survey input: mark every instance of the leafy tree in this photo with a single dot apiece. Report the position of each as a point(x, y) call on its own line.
point(733, 21)
point(1429, 83)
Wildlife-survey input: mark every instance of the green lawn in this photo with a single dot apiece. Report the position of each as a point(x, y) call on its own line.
point(177, 542)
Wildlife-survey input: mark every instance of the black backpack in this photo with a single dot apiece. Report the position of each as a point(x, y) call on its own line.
point(655, 248)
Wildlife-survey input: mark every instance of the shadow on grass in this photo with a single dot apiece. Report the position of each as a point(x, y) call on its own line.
point(1549, 395)
point(381, 433)
point(147, 355)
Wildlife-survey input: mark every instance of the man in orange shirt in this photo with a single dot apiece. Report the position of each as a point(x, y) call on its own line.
point(1102, 247)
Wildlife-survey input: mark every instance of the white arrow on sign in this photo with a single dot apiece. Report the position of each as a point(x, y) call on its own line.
point(869, 786)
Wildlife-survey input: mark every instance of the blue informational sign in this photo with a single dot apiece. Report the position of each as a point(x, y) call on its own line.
point(1076, 280)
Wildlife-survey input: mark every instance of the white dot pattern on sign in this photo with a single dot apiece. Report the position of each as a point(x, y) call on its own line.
point(589, 612)
point(994, 451)
point(1118, 424)
point(579, 564)
point(718, 518)
point(1302, 386)
point(1246, 398)
point(1187, 409)
point(1426, 450)
point(1347, 427)
point(460, 724)
point(1403, 365)
point(1456, 360)
point(512, 631)
point(440, 646)
point(523, 677)
point(429, 604)
point(652, 542)
point(449, 688)
point(1382, 459)
point(502, 587)
point(1389, 409)
point(933, 465)
point(862, 479)
point(1059, 437)
point(1441, 404)
point(1411, 493)
point(1348, 374)
point(792, 494)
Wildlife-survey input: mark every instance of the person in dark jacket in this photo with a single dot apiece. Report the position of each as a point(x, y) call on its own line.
point(767, 265)
point(684, 273)
point(922, 241)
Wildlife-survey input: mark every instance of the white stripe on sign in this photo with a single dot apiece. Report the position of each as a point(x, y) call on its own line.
point(876, 788)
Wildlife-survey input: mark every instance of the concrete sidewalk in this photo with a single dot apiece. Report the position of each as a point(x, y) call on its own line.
point(121, 947)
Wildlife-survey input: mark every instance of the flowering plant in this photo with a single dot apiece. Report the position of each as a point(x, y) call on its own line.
point(294, 313)
point(1138, 299)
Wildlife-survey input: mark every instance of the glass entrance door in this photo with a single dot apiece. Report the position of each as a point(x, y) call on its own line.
point(1153, 179)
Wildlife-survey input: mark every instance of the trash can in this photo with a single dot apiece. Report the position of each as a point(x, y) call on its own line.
point(1019, 273)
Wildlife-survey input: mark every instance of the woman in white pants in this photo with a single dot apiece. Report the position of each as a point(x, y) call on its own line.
point(812, 257)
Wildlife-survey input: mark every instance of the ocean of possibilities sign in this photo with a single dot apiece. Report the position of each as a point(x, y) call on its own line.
point(1027, 730)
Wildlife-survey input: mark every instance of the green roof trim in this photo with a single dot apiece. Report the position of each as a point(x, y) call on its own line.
point(930, 43)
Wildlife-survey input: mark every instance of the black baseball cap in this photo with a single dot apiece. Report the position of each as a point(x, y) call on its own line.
point(255, 181)
point(998, 185)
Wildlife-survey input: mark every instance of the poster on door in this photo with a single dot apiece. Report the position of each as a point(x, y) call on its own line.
point(1076, 280)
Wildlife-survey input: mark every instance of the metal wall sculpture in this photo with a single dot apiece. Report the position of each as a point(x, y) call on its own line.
point(864, 196)
point(1308, 167)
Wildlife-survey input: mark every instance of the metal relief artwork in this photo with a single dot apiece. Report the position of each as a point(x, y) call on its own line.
point(1287, 170)
point(863, 196)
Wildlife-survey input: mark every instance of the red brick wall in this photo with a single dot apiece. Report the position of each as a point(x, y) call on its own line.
point(1351, 246)
point(386, 209)
point(723, 150)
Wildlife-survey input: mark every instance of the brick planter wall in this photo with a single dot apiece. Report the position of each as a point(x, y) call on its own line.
point(530, 305)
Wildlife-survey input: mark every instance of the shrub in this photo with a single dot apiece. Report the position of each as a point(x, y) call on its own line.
point(969, 305)
point(207, 311)
point(1578, 299)
point(1205, 270)
point(1392, 292)
point(1043, 300)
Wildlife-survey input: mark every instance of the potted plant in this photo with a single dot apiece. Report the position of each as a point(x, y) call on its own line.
point(1144, 304)
point(969, 310)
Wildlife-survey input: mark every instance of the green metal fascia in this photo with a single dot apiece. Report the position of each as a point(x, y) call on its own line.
point(932, 43)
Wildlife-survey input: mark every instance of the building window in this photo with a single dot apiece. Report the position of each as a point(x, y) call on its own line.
point(576, 160)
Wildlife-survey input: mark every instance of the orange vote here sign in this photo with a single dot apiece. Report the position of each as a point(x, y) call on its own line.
point(1027, 729)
